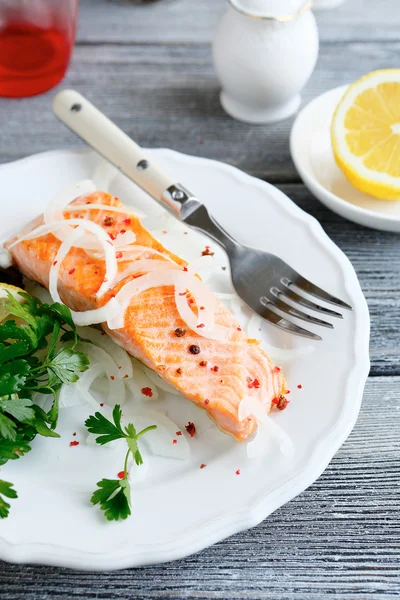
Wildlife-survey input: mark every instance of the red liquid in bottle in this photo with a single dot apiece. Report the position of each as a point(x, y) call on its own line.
point(32, 60)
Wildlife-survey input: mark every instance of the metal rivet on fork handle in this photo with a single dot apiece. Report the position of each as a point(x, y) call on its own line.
point(178, 195)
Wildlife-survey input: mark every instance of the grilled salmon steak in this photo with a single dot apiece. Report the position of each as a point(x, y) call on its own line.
point(216, 375)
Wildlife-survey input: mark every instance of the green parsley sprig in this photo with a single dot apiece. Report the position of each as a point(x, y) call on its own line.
point(114, 495)
point(6, 491)
point(33, 360)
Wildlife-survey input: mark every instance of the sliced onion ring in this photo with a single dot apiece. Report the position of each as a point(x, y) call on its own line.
point(159, 382)
point(124, 210)
point(145, 266)
point(182, 281)
point(140, 381)
point(252, 407)
point(98, 315)
point(108, 247)
point(54, 209)
point(125, 239)
point(118, 354)
point(134, 250)
point(67, 396)
point(159, 441)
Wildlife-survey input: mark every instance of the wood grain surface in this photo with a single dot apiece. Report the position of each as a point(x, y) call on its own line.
point(149, 67)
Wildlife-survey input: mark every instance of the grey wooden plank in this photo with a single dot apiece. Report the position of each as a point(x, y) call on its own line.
point(168, 96)
point(191, 21)
point(340, 538)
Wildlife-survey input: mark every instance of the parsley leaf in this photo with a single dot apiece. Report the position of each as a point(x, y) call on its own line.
point(98, 424)
point(68, 336)
point(19, 408)
point(113, 495)
point(7, 491)
point(67, 363)
point(8, 429)
point(40, 420)
point(64, 315)
point(13, 377)
point(13, 449)
point(23, 311)
point(31, 360)
point(15, 350)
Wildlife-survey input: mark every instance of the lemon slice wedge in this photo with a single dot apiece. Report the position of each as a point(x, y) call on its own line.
point(4, 288)
point(366, 134)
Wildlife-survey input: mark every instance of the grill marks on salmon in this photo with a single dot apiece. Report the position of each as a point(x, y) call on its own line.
point(217, 379)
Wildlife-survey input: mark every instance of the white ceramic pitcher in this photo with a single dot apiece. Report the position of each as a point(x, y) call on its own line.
point(264, 53)
point(326, 4)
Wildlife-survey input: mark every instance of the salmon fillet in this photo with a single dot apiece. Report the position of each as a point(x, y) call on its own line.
point(216, 379)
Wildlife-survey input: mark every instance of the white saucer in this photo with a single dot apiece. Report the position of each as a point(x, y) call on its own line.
point(311, 150)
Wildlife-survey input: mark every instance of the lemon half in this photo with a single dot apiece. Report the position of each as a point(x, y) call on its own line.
point(366, 134)
point(4, 288)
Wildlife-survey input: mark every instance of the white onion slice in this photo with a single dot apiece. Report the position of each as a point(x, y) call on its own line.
point(204, 267)
point(52, 228)
point(160, 440)
point(116, 387)
point(119, 355)
point(54, 209)
point(123, 210)
point(125, 239)
point(101, 357)
point(89, 317)
point(182, 282)
point(186, 412)
point(116, 392)
point(5, 259)
point(109, 251)
point(69, 394)
point(145, 266)
point(134, 250)
point(203, 297)
point(160, 383)
point(140, 381)
point(106, 313)
point(251, 406)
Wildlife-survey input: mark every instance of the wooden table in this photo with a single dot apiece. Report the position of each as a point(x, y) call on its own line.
point(150, 69)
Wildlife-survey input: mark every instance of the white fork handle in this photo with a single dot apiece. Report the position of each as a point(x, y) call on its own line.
point(104, 136)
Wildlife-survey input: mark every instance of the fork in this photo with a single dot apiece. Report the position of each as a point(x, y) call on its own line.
point(264, 282)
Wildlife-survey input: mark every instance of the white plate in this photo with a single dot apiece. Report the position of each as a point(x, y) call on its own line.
point(179, 509)
point(311, 149)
